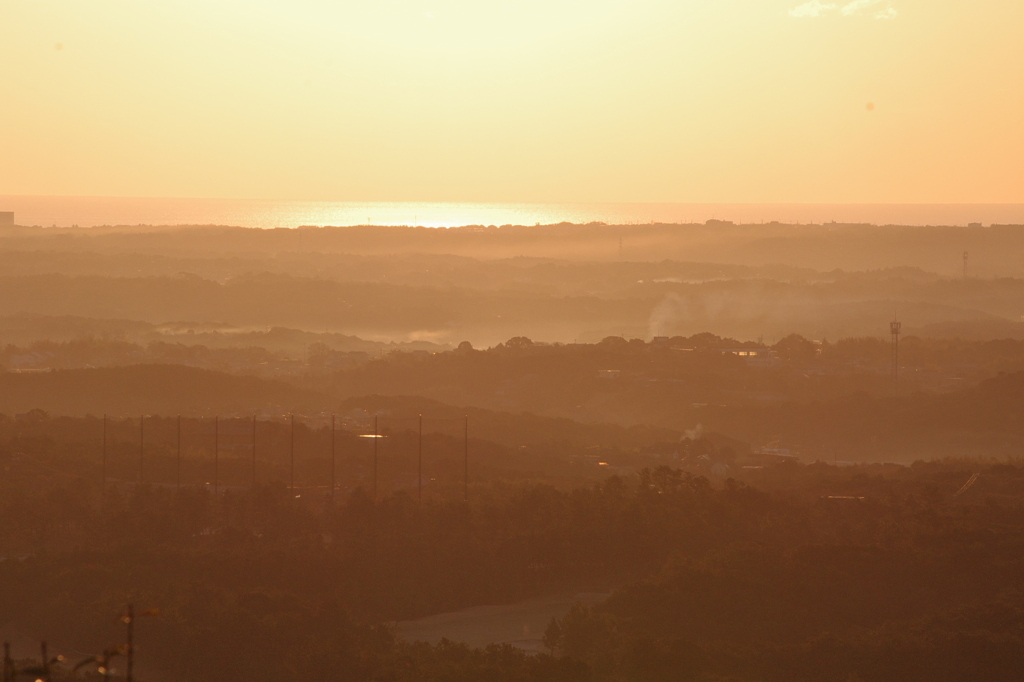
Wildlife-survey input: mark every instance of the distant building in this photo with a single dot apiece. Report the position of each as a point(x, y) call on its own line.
point(773, 454)
point(6, 218)
point(748, 352)
point(753, 356)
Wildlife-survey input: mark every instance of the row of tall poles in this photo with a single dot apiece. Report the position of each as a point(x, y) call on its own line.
point(291, 455)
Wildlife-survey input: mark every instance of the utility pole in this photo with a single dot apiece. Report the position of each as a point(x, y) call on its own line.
point(142, 445)
point(46, 661)
point(333, 458)
point(216, 454)
point(177, 472)
point(894, 329)
point(465, 472)
point(129, 621)
point(965, 264)
point(291, 484)
point(103, 465)
point(8, 663)
point(254, 452)
point(376, 437)
point(419, 464)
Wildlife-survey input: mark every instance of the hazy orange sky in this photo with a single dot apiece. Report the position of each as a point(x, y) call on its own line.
point(515, 100)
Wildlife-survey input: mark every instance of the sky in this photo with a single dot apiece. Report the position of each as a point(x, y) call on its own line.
point(875, 101)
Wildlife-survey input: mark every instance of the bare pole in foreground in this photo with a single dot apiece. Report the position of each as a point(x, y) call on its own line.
point(129, 622)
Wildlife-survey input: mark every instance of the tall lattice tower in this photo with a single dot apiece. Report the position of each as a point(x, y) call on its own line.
point(894, 329)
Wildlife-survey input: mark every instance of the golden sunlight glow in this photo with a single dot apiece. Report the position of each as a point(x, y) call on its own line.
point(495, 100)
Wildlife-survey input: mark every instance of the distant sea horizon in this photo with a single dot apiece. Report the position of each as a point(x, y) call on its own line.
point(58, 211)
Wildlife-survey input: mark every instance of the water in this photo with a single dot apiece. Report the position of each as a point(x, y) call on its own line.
point(92, 211)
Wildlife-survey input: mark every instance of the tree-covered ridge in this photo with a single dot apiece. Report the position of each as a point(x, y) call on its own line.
point(719, 580)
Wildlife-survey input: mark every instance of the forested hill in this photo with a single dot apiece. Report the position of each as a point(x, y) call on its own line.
point(169, 390)
point(149, 389)
point(973, 421)
point(981, 421)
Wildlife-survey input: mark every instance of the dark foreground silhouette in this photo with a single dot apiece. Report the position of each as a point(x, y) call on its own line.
point(868, 572)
